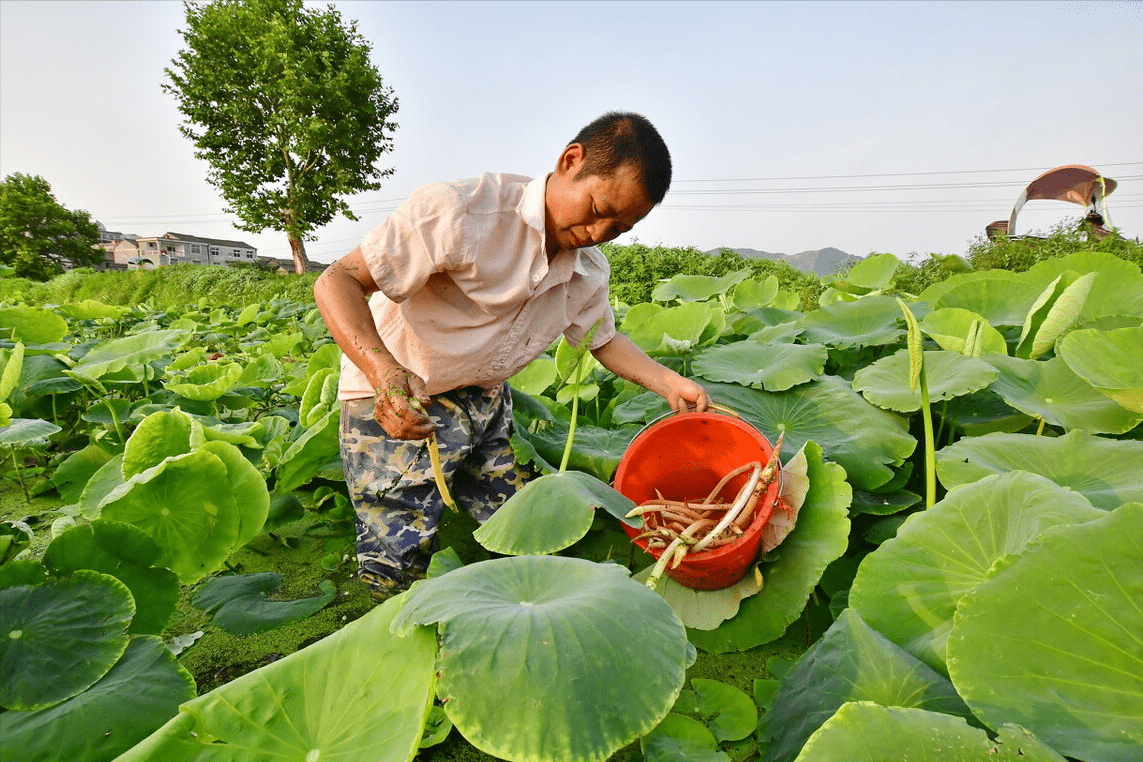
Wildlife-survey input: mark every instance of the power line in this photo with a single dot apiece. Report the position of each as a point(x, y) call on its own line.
point(894, 174)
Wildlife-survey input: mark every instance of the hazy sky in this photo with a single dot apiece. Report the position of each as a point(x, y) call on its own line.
point(887, 126)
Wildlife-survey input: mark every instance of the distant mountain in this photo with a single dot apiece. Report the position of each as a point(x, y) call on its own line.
point(820, 261)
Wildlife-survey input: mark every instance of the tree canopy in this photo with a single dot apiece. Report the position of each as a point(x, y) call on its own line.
point(39, 237)
point(284, 104)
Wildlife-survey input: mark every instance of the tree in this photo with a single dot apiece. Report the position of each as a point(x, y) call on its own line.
point(285, 106)
point(39, 237)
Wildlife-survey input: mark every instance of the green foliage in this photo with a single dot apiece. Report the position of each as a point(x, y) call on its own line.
point(1020, 254)
point(285, 105)
point(39, 237)
point(637, 268)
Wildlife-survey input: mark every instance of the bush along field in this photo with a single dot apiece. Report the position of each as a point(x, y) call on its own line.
point(956, 571)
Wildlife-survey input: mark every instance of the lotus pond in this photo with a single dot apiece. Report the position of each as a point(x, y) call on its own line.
point(961, 579)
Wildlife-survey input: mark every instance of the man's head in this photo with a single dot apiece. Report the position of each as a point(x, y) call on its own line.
point(619, 137)
point(607, 179)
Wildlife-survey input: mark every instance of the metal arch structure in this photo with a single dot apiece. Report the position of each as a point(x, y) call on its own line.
point(1072, 183)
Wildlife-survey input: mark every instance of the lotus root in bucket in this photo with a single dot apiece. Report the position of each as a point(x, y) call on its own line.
point(683, 458)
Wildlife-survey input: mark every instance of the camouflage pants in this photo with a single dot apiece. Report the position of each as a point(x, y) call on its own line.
point(391, 482)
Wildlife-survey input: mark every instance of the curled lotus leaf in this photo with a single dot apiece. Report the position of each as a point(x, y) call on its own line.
point(207, 382)
point(1111, 361)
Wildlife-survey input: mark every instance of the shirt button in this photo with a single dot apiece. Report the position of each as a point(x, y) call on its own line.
point(535, 278)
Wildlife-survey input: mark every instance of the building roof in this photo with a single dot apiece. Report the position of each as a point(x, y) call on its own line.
point(209, 241)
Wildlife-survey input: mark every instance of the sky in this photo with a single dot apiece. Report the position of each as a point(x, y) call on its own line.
point(872, 127)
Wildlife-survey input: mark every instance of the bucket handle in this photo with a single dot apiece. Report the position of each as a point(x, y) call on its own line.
point(712, 406)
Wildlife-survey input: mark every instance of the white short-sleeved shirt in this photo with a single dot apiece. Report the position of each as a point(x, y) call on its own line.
point(467, 294)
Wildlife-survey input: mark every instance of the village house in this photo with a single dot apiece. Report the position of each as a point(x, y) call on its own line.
point(134, 252)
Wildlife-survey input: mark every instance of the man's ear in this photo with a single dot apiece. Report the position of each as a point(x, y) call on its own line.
point(570, 160)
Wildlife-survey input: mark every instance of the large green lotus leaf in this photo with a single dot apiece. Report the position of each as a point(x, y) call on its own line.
point(863, 438)
point(885, 382)
point(1052, 641)
point(185, 505)
point(32, 325)
point(597, 450)
point(873, 273)
point(207, 382)
point(1053, 312)
point(316, 448)
point(754, 293)
point(958, 330)
point(1001, 297)
point(675, 330)
point(1111, 361)
point(247, 487)
point(137, 695)
point(139, 349)
point(729, 713)
point(580, 658)
point(130, 555)
point(549, 513)
point(1118, 286)
point(163, 434)
point(697, 288)
point(820, 537)
point(681, 739)
point(867, 322)
point(1105, 471)
point(851, 662)
point(240, 607)
point(58, 638)
point(73, 474)
point(983, 412)
point(864, 731)
point(703, 609)
point(90, 309)
point(1048, 389)
point(11, 368)
point(909, 587)
point(536, 376)
point(774, 367)
point(358, 694)
point(26, 431)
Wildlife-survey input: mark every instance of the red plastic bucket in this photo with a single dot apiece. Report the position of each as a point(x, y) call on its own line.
point(683, 457)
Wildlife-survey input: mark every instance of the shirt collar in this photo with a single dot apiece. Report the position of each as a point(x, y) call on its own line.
point(531, 210)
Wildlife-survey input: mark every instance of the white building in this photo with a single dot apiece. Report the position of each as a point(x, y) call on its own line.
point(180, 248)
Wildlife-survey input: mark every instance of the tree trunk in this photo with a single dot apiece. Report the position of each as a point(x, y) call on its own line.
point(298, 249)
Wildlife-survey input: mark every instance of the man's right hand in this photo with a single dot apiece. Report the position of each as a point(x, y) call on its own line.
point(399, 405)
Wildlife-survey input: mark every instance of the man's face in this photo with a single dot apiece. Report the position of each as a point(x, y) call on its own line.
point(584, 211)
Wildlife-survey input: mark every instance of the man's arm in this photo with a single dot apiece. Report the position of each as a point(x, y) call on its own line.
point(342, 296)
point(623, 358)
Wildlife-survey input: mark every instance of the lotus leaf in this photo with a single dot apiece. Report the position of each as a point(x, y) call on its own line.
point(638, 314)
point(697, 288)
point(582, 659)
point(703, 609)
point(774, 367)
point(59, 638)
point(1054, 312)
point(753, 293)
point(861, 437)
point(909, 587)
point(22, 571)
point(90, 309)
point(360, 693)
point(240, 607)
point(311, 452)
point(1050, 390)
point(864, 323)
point(537, 376)
point(137, 695)
point(262, 371)
point(1105, 471)
point(984, 412)
point(32, 325)
point(26, 431)
point(108, 412)
point(873, 273)
point(728, 712)
point(549, 513)
point(129, 351)
point(675, 330)
point(207, 382)
point(1001, 297)
point(248, 488)
point(948, 375)
point(1118, 286)
point(127, 553)
point(850, 662)
point(1051, 641)
point(185, 504)
point(820, 537)
point(958, 330)
point(161, 435)
point(864, 731)
point(597, 450)
point(1111, 361)
point(681, 739)
point(11, 367)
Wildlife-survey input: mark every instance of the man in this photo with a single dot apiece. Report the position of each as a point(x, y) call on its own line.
point(459, 289)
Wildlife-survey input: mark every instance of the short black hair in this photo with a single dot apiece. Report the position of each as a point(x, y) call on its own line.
point(619, 137)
